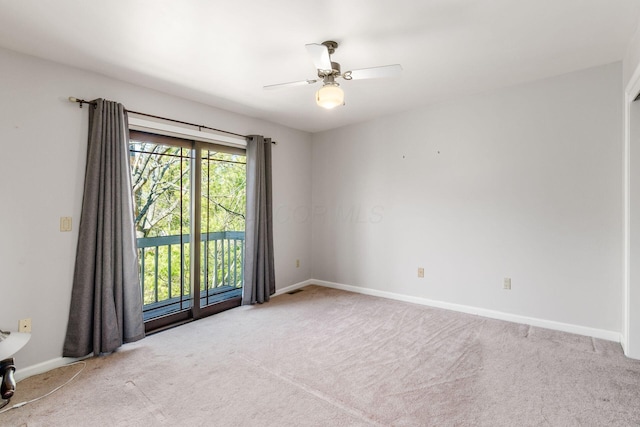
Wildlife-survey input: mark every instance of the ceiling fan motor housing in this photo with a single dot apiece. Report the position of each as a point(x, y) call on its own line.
point(335, 71)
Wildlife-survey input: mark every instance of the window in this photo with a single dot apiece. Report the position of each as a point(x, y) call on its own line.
point(184, 188)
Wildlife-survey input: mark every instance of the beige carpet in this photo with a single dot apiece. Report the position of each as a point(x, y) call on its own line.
point(323, 357)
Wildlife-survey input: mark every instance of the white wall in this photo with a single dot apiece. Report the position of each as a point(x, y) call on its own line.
point(43, 140)
point(523, 182)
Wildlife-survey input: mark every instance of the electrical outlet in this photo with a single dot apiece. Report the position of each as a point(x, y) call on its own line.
point(297, 263)
point(421, 272)
point(507, 284)
point(24, 325)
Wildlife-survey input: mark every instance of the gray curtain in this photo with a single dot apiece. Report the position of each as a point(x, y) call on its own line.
point(259, 276)
point(106, 301)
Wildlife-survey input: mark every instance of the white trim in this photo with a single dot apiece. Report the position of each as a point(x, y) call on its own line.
point(630, 92)
point(626, 237)
point(542, 323)
point(40, 368)
point(293, 287)
point(164, 128)
point(43, 367)
point(29, 371)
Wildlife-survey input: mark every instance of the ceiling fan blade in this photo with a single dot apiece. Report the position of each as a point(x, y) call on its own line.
point(290, 84)
point(374, 72)
point(319, 55)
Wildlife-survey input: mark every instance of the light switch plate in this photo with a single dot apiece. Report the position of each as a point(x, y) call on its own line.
point(65, 223)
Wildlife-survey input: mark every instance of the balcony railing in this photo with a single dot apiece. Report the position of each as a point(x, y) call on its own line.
point(165, 270)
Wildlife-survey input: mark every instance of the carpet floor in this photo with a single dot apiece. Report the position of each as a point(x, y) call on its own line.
point(324, 357)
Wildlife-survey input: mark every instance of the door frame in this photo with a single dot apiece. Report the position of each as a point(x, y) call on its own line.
point(197, 140)
point(630, 339)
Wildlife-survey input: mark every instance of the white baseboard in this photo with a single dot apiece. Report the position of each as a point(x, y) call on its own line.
point(294, 287)
point(43, 367)
point(40, 368)
point(492, 314)
point(58, 362)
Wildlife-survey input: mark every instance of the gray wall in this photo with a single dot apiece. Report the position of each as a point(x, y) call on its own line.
point(523, 182)
point(43, 139)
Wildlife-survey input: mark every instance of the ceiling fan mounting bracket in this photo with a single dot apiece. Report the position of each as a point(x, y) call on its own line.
point(331, 46)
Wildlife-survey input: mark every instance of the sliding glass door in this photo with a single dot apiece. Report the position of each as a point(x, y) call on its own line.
point(184, 189)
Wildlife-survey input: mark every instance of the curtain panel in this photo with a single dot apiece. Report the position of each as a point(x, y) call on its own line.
point(106, 301)
point(259, 276)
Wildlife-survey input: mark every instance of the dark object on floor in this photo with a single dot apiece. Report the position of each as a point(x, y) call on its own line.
point(10, 343)
point(8, 386)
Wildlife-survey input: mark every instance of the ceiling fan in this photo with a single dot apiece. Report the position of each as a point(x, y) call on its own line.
point(330, 95)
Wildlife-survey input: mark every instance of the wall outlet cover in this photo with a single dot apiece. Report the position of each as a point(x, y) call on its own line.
point(24, 325)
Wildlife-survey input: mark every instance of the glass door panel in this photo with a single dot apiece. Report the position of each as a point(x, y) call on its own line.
point(222, 207)
point(161, 176)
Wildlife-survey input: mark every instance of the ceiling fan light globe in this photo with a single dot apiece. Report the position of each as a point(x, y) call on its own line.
point(330, 96)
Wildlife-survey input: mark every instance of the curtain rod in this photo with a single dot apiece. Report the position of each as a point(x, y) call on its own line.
point(200, 127)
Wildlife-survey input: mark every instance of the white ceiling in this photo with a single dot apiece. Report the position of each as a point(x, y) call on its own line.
point(223, 52)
